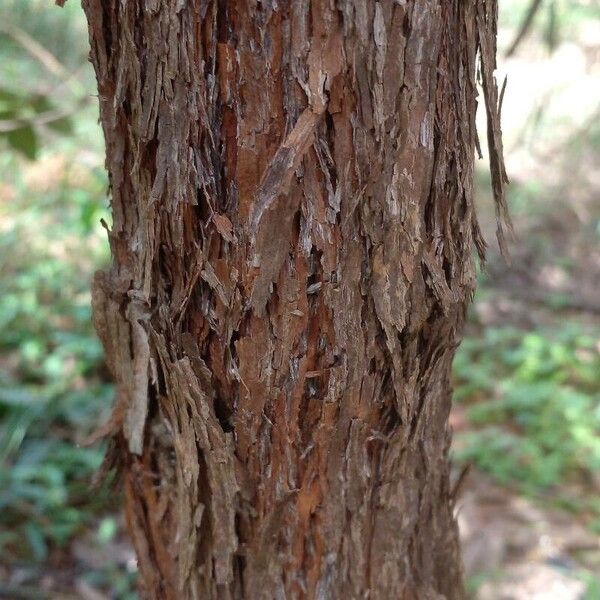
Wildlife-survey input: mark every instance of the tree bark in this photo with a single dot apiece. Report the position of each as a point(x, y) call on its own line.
point(293, 226)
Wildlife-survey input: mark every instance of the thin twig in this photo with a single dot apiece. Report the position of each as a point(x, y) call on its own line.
point(525, 26)
point(49, 116)
point(41, 54)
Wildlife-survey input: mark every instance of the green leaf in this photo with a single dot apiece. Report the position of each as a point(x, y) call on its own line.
point(9, 98)
point(63, 125)
point(41, 104)
point(107, 530)
point(24, 140)
point(36, 540)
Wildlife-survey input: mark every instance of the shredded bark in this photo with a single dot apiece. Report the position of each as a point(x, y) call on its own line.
point(292, 239)
point(487, 18)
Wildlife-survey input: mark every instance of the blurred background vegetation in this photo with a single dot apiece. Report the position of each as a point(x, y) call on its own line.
point(527, 376)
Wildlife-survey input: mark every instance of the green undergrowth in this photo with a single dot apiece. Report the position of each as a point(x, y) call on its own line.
point(532, 401)
point(54, 388)
point(52, 391)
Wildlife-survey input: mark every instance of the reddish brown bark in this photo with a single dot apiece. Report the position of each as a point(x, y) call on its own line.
point(292, 239)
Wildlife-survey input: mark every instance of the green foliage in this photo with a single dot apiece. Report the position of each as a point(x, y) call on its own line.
point(39, 94)
point(50, 384)
point(534, 399)
point(53, 382)
point(22, 115)
point(592, 585)
point(53, 388)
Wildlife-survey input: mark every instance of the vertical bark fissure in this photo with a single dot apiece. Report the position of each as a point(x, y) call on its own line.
point(293, 224)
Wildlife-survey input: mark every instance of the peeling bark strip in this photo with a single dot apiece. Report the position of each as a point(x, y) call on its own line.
point(292, 240)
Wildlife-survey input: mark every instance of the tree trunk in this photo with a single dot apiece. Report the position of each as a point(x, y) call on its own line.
point(292, 241)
